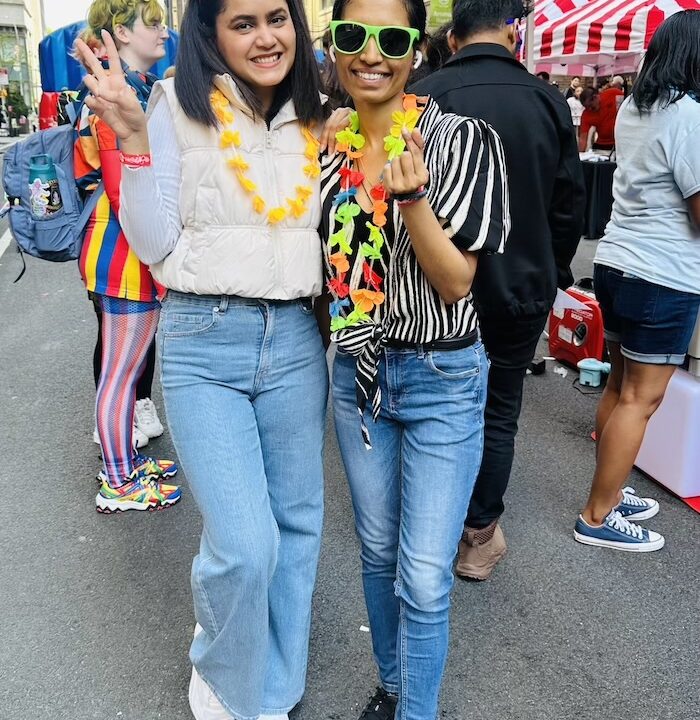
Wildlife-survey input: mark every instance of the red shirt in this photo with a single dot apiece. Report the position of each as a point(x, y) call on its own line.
point(604, 118)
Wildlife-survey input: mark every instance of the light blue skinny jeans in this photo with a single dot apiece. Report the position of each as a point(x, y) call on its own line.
point(245, 384)
point(410, 495)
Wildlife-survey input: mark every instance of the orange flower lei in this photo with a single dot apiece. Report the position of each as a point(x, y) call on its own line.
point(351, 142)
point(231, 141)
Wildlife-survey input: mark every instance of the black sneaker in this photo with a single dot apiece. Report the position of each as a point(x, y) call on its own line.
point(381, 706)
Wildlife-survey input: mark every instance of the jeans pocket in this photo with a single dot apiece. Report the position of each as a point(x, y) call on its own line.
point(185, 320)
point(454, 364)
point(635, 299)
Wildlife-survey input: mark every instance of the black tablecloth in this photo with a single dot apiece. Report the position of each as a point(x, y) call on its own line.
point(599, 199)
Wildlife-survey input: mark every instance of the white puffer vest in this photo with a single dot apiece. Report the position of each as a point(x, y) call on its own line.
point(226, 247)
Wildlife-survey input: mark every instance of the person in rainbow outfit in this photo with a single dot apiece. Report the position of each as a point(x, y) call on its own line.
point(121, 285)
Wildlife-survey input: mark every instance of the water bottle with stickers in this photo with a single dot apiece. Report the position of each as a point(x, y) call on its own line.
point(44, 191)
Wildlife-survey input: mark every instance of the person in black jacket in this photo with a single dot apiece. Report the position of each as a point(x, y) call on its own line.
point(513, 292)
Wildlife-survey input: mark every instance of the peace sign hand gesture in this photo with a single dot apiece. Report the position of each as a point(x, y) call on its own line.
point(112, 99)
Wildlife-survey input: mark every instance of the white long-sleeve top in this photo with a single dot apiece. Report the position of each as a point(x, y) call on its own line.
point(194, 222)
point(150, 213)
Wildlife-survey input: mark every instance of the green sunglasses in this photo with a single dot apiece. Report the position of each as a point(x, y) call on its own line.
point(393, 42)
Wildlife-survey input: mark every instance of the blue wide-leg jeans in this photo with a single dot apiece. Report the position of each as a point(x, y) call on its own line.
point(410, 493)
point(245, 385)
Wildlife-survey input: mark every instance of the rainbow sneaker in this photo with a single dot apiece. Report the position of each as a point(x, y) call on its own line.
point(148, 466)
point(142, 492)
point(165, 468)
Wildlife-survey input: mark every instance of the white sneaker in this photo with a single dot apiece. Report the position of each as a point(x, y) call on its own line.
point(140, 438)
point(203, 703)
point(146, 418)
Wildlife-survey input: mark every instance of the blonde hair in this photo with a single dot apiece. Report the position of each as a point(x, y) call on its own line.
point(88, 37)
point(107, 14)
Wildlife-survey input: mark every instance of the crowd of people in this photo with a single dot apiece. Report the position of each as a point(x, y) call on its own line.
point(593, 109)
point(423, 228)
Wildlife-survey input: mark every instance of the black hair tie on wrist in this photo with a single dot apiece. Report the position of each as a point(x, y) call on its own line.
point(415, 196)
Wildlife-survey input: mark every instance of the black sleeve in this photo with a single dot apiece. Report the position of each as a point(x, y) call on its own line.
point(568, 205)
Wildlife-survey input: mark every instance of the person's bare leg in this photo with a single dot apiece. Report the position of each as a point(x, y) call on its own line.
point(643, 388)
point(611, 393)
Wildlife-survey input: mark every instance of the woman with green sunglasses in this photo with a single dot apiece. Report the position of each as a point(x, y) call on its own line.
point(409, 201)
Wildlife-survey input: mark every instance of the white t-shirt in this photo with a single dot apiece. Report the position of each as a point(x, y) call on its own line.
point(576, 110)
point(651, 234)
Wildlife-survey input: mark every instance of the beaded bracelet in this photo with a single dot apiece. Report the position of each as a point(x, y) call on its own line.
point(135, 161)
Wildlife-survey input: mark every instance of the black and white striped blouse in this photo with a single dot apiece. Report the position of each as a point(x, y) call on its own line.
point(469, 195)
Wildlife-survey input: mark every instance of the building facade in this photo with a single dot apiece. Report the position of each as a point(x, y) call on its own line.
point(173, 12)
point(318, 13)
point(21, 31)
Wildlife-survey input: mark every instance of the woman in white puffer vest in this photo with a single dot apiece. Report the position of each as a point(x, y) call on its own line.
point(220, 186)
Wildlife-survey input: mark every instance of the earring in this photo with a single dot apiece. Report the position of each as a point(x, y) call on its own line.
point(331, 53)
point(418, 61)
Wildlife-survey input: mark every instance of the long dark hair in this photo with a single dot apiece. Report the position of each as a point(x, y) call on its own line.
point(671, 67)
point(199, 60)
point(415, 9)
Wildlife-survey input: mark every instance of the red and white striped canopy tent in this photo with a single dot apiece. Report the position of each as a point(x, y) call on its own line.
point(546, 11)
point(601, 36)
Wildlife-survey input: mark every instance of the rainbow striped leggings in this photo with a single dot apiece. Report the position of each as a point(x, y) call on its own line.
point(128, 327)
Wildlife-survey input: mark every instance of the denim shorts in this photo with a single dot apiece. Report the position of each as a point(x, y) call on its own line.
point(653, 324)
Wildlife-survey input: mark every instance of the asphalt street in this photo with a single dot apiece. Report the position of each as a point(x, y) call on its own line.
point(95, 611)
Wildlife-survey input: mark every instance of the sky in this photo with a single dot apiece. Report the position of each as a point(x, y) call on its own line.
point(58, 13)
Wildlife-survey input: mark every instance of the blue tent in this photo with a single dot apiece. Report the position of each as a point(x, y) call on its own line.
point(60, 71)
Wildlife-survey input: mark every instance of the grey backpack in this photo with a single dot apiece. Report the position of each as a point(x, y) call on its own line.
point(59, 236)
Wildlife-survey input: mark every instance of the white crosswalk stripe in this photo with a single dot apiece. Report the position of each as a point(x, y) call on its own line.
point(5, 241)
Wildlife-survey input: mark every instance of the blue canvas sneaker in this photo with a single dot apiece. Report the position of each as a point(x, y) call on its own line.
point(618, 533)
point(636, 508)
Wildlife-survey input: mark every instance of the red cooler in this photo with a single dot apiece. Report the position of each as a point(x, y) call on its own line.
point(577, 334)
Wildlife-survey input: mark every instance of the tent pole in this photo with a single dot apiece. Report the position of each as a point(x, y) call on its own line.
point(530, 43)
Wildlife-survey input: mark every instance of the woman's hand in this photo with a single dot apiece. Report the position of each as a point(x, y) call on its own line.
point(112, 99)
point(407, 173)
point(336, 122)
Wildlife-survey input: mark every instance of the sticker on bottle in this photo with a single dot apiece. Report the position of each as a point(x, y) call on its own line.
point(44, 198)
